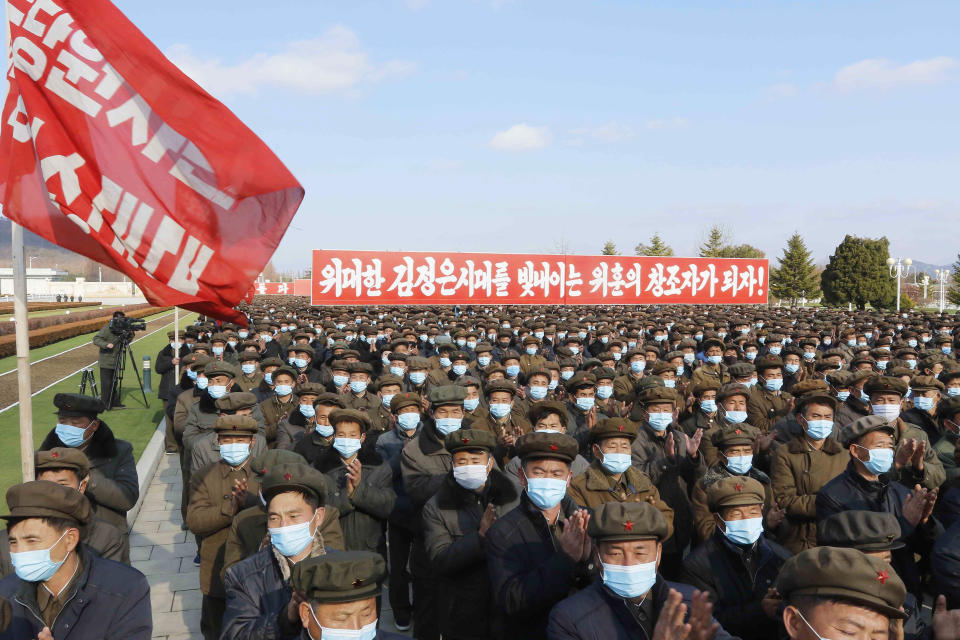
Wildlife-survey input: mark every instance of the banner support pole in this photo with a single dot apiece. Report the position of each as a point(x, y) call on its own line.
point(23, 352)
point(176, 341)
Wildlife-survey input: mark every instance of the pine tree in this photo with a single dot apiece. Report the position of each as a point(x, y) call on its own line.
point(714, 244)
point(953, 292)
point(797, 276)
point(857, 273)
point(609, 249)
point(741, 251)
point(657, 247)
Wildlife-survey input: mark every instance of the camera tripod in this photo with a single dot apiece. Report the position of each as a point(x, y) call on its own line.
point(125, 350)
point(89, 379)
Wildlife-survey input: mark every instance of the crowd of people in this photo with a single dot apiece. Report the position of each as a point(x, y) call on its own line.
point(521, 472)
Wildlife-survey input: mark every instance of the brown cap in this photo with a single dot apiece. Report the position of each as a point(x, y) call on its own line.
point(927, 383)
point(729, 435)
point(885, 384)
point(42, 499)
point(350, 415)
point(843, 574)
point(236, 401)
point(540, 409)
point(346, 576)
point(239, 425)
point(734, 491)
point(733, 389)
point(470, 439)
point(294, 476)
point(220, 368)
point(863, 426)
point(405, 399)
point(500, 385)
point(63, 458)
point(863, 530)
point(446, 395)
point(534, 446)
point(657, 394)
point(310, 389)
point(263, 463)
point(614, 428)
point(619, 521)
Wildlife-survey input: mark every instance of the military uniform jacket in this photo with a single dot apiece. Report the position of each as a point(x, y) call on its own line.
point(368, 402)
point(451, 521)
point(932, 475)
point(764, 408)
point(707, 371)
point(108, 601)
point(424, 463)
point(108, 357)
point(363, 516)
point(596, 613)
point(206, 450)
point(243, 382)
point(624, 387)
point(703, 520)
point(798, 473)
point(528, 362)
point(673, 477)
point(699, 420)
point(510, 425)
point(210, 514)
point(273, 411)
point(528, 571)
point(849, 411)
point(737, 578)
point(201, 418)
point(113, 488)
point(597, 486)
point(186, 399)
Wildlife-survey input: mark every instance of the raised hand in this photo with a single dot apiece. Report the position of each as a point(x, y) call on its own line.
point(670, 624)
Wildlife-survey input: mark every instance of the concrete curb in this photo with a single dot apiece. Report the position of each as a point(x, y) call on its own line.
point(147, 467)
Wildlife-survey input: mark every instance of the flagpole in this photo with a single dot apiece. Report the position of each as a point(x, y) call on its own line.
point(176, 341)
point(23, 352)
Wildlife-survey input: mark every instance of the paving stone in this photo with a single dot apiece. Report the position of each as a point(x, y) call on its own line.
point(187, 600)
point(160, 537)
point(161, 516)
point(138, 554)
point(174, 551)
point(175, 581)
point(176, 622)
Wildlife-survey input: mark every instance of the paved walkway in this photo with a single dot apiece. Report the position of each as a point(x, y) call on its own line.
point(159, 548)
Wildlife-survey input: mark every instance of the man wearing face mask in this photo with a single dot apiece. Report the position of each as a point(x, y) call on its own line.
point(170, 356)
point(538, 552)
point(865, 485)
point(424, 463)
point(768, 403)
point(456, 521)
point(303, 420)
point(624, 385)
point(704, 411)
point(537, 390)
point(260, 604)
point(630, 598)
point(531, 357)
point(70, 468)
point(737, 565)
point(203, 446)
point(732, 399)
point(55, 573)
point(810, 459)
point(915, 461)
point(672, 461)
point(250, 376)
point(359, 395)
point(857, 403)
point(926, 394)
point(113, 488)
point(948, 415)
point(337, 597)
point(221, 491)
point(611, 477)
point(712, 366)
point(501, 420)
point(735, 444)
point(582, 412)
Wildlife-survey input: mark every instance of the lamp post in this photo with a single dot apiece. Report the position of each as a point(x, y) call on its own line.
point(30, 261)
point(942, 276)
point(899, 268)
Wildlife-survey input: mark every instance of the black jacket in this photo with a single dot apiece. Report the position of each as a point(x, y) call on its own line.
point(165, 367)
point(110, 601)
point(737, 578)
point(257, 599)
point(529, 573)
point(596, 613)
point(925, 421)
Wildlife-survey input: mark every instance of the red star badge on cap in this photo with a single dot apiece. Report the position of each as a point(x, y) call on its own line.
point(358, 583)
point(54, 455)
point(553, 447)
point(628, 525)
point(738, 487)
point(619, 427)
point(287, 476)
point(739, 432)
point(234, 427)
point(466, 440)
point(264, 471)
point(882, 576)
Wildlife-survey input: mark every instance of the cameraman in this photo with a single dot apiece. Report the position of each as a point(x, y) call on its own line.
point(108, 340)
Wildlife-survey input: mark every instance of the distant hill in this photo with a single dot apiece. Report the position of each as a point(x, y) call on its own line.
point(926, 267)
point(49, 255)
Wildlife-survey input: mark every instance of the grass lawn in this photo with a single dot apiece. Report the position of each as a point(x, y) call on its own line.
point(10, 363)
point(135, 424)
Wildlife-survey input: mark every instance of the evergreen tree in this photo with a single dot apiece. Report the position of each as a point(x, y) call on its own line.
point(741, 251)
point(714, 244)
point(953, 291)
point(857, 273)
point(657, 247)
point(797, 276)
point(609, 249)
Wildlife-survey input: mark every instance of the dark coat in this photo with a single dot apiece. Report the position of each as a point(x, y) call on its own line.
point(113, 488)
point(165, 367)
point(737, 586)
point(108, 357)
point(451, 520)
point(109, 601)
point(925, 421)
point(389, 447)
point(98, 537)
point(596, 613)
point(257, 599)
point(424, 463)
point(528, 572)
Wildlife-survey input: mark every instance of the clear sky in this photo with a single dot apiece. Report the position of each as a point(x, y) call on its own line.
point(521, 125)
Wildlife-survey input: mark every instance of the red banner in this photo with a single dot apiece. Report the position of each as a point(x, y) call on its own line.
point(380, 277)
point(109, 150)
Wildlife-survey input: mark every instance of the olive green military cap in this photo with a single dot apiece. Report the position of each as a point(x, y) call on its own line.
point(301, 348)
point(539, 409)
point(271, 362)
point(329, 399)
point(808, 391)
point(885, 384)
point(236, 424)
point(246, 355)
point(310, 389)
point(862, 426)
point(446, 395)
point(733, 389)
point(342, 577)
point(263, 463)
point(293, 476)
point(734, 491)
point(75, 405)
point(63, 458)
point(195, 360)
point(742, 370)
point(706, 384)
point(559, 446)
point(466, 439)
point(731, 435)
point(405, 399)
point(42, 499)
point(236, 401)
point(580, 380)
point(614, 428)
point(387, 380)
point(287, 370)
point(863, 530)
point(350, 415)
point(620, 521)
point(220, 368)
point(506, 386)
point(768, 362)
point(657, 394)
point(927, 383)
point(847, 575)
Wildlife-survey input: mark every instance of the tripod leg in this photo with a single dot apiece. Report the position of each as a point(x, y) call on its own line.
point(139, 379)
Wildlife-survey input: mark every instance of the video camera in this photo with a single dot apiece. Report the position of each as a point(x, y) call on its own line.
point(124, 325)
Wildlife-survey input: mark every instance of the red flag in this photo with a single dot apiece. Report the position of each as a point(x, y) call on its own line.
point(109, 150)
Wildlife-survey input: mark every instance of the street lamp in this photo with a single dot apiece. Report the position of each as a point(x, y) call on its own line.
point(942, 276)
point(30, 263)
point(899, 268)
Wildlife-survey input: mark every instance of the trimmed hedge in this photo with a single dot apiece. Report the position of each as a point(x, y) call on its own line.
point(7, 328)
point(7, 307)
point(49, 335)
